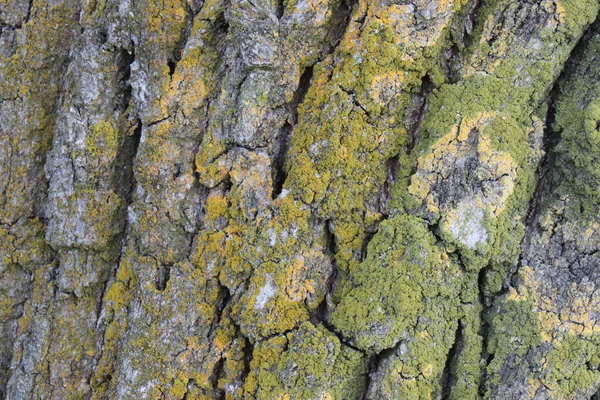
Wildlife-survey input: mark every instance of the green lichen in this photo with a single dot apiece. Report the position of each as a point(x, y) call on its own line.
point(514, 331)
point(553, 342)
point(403, 272)
point(352, 119)
point(102, 141)
point(308, 363)
point(577, 126)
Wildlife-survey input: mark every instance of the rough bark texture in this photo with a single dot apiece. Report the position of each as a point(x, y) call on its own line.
point(299, 199)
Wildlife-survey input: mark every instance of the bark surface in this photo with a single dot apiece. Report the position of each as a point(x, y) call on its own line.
point(299, 199)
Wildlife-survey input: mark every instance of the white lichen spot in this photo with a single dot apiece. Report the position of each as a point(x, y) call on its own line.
point(132, 217)
point(140, 84)
point(210, 266)
point(465, 179)
point(266, 293)
point(124, 8)
point(231, 388)
point(284, 193)
point(467, 224)
point(272, 236)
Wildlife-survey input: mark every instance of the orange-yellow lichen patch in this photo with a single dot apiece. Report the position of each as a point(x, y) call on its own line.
point(427, 371)
point(298, 288)
point(385, 86)
point(325, 396)
point(216, 206)
point(534, 385)
point(319, 9)
point(306, 278)
point(444, 5)
point(190, 91)
point(572, 319)
point(402, 22)
point(560, 12)
point(513, 295)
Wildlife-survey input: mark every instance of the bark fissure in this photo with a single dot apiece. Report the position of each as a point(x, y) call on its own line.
point(123, 60)
point(484, 332)
point(124, 182)
point(280, 9)
point(449, 373)
point(321, 314)
point(343, 15)
point(375, 362)
point(190, 15)
point(163, 275)
point(427, 88)
point(392, 165)
point(283, 139)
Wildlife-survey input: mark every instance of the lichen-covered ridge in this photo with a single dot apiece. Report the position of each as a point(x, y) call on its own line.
point(299, 199)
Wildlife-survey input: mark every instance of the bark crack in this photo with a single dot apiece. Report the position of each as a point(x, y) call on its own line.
point(283, 139)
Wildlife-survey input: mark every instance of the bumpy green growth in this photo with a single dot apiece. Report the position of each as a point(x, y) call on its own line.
point(574, 366)
point(355, 117)
point(403, 272)
point(553, 344)
point(495, 99)
point(308, 363)
point(406, 296)
point(475, 171)
point(465, 368)
point(579, 130)
point(102, 141)
point(514, 330)
point(247, 267)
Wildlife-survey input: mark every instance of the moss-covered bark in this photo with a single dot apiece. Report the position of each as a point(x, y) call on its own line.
point(299, 199)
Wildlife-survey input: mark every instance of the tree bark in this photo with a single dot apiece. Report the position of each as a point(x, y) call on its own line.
point(339, 199)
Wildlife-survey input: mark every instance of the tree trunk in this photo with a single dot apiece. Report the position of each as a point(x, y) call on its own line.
point(204, 199)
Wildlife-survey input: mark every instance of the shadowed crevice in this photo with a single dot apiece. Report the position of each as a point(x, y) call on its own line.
point(190, 14)
point(392, 164)
point(484, 331)
point(282, 144)
point(375, 361)
point(280, 9)
point(340, 25)
point(163, 275)
point(449, 373)
point(321, 313)
point(123, 61)
point(284, 136)
point(124, 177)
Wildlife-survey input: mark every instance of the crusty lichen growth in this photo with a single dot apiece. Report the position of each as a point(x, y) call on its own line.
point(407, 291)
point(350, 122)
point(404, 271)
point(308, 363)
point(33, 56)
point(558, 343)
point(316, 199)
point(475, 170)
point(353, 117)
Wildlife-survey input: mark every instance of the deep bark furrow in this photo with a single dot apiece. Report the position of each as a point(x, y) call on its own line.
point(449, 373)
